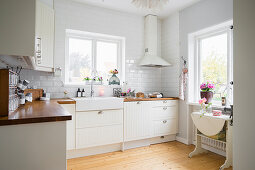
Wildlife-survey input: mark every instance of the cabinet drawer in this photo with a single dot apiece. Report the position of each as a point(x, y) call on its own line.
point(104, 135)
point(164, 103)
point(164, 112)
point(98, 118)
point(165, 127)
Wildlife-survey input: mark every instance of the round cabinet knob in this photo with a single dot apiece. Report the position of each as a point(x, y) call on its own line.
point(164, 121)
point(100, 112)
point(164, 108)
point(138, 103)
point(164, 101)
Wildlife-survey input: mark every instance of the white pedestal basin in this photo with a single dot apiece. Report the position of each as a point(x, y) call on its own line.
point(98, 103)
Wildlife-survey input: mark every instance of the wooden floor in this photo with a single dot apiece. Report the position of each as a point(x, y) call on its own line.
point(171, 155)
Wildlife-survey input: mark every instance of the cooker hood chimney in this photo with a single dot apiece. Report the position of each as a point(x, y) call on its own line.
point(151, 57)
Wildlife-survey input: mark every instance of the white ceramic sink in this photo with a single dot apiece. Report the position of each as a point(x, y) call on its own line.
point(98, 103)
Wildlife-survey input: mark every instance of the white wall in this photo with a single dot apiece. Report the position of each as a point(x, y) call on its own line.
point(244, 59)
point(170, 52)
point(201, 15)
point(79, 16)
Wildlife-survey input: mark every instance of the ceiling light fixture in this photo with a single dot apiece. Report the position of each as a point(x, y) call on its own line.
point(149, 4)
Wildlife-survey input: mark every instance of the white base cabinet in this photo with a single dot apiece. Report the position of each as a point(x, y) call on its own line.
point(96, 128)
point(97, 136)
point(146, 119)
point(165, 117)
point(139, 124)
point(137, 120)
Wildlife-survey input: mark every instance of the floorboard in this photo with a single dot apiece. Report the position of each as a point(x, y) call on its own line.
point(164, 156)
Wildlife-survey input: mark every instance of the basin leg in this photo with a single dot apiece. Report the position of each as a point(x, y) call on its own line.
point(229, 152)
point(227, 164)
point(198, 149)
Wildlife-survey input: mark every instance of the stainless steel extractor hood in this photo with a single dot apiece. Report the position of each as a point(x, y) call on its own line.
point(151, 57)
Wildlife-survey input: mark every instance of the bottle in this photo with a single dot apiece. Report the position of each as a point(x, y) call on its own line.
point(83, 93)
point(79, 93)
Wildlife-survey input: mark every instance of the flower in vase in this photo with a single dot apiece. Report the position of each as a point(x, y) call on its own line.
point(201, 101)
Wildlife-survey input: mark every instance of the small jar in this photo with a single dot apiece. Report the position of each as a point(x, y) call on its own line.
point(22, 99)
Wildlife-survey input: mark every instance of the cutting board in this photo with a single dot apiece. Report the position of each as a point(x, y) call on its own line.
point(36, 93)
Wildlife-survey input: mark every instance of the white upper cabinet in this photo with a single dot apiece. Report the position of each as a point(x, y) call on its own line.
point(17, 30)
point(44, 36)
point(27, 29)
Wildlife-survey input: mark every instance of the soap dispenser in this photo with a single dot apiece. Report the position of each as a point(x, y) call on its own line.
point(83, 93)
point(79, 93)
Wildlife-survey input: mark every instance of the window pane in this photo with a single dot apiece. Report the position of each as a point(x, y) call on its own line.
point(214, 51)
point(80, 59)
point(107, 54)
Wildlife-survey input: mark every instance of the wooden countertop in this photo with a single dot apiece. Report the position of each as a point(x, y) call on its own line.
point(38, 112)
point(149, 99)
point(65, 101)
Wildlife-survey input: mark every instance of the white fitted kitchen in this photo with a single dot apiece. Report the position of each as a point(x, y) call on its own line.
point(126, 85)
point(118, 125)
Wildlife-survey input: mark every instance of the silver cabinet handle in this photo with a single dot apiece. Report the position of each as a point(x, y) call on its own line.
point(164, 108)
point(38, 45)
point(164, 101)
point(138, 103)
point(164, 121)
point(38, 50)
point(100, 112)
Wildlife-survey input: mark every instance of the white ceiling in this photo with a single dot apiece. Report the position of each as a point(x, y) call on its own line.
point(126, 6)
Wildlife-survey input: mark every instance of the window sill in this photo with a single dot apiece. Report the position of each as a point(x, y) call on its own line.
point(217, 105)
point(86, 85)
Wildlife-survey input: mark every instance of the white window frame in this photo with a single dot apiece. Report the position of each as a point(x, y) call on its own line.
point(194, 40)
point(95, 37)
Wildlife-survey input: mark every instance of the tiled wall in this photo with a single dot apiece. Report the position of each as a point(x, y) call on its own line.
point(170, 51)
point(78, 16)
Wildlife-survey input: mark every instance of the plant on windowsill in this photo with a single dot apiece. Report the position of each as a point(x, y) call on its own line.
point(95, 80)
point(207, 91)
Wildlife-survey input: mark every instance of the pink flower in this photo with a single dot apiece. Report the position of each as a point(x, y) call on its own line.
point(204, 99)
point(210, 86)
point(203, 86)
point(201, 101)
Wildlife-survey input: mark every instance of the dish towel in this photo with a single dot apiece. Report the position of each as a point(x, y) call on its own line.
point(183, 83)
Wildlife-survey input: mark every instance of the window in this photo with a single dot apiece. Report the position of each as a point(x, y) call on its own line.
point(92, 54)
point(212, 61)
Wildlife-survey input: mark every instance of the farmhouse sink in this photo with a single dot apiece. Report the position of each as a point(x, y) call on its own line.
point(98, 103)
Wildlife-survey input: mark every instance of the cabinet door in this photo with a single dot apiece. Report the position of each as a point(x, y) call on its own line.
point(165, 127)
point(44, 37)
point(98, 118)
point(96, 136)
point(17, 30)
point(70, 126)
point(137, 121)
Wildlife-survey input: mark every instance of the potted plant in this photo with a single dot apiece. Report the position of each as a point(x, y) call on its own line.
point(207, 91)
point(87, 80)
point(114, 80)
